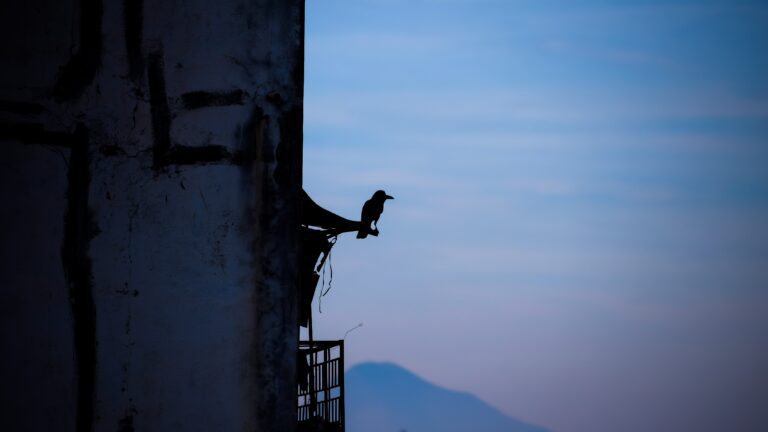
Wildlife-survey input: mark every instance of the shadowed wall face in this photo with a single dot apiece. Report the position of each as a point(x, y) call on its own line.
point(152, 169)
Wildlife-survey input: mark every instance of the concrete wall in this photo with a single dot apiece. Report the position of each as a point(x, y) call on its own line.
point(150, 178)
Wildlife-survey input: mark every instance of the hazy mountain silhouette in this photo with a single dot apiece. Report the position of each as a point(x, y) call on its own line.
point(384, 397)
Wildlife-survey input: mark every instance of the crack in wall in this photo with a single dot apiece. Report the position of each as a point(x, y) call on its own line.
point(79, 72)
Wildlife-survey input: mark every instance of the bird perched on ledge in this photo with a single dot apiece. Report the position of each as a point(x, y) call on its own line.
point(372, 210)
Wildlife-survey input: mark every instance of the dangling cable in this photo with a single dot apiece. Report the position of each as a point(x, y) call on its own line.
point(328, 258)
point(330, 278)
point(322, 285)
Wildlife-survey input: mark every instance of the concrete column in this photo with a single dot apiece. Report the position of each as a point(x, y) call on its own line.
point(151, 175)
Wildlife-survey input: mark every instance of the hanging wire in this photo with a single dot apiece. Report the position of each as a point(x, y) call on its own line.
point(320, 297)
point(329, 260)
point(330, 278)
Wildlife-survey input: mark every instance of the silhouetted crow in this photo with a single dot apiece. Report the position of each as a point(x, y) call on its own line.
point(372, 209)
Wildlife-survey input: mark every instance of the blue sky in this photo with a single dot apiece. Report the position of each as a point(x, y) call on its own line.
point(580, 229)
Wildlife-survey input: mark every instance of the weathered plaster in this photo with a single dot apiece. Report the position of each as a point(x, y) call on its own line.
point(154, 287)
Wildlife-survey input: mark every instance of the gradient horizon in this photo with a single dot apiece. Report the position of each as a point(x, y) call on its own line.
point(579, 234)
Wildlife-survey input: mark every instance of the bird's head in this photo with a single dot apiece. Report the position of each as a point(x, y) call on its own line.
point(382, 196)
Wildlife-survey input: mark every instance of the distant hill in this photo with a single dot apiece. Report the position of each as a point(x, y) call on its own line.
point(384, 397)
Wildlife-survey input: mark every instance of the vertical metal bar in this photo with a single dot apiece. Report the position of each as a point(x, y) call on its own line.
point(312, 361)
point(341, 385)
point(324, 371)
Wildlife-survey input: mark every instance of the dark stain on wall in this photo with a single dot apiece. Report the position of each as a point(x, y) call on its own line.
point(125, 424)
point(34, 133)
point(199, 155)
point(161, 113)
point(271, 169)
point(287, 171)
point(80, 70)
point(17, 107)
point(297, 72)
point(251, 137)
point(111, 150)
point(275, 98)
point(201, 99)
point(163, 153)
point(79, 229)
point(133, 20)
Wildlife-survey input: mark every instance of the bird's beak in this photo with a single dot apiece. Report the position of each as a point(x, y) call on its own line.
point(389, 197)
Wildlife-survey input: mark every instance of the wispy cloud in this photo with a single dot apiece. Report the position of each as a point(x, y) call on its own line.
point(581, 199)
point(506, 107)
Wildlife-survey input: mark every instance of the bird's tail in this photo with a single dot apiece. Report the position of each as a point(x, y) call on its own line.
point(362, 234)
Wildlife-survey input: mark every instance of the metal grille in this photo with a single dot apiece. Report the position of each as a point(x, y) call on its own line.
point(321, 384)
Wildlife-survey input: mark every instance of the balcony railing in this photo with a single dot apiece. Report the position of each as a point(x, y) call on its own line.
point(321, 386)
